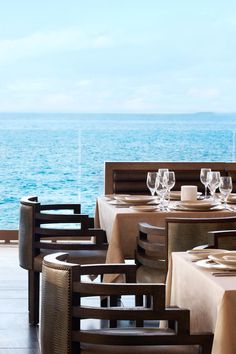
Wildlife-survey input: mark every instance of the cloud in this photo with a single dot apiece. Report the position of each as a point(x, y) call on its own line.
point(30, 85)
point(206, 93)
point(38, 43)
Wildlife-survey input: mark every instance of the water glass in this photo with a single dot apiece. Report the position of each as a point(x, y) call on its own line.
point(169, 182)
point(225, 188)
point(161, 173)
point(151, 182)
point(161, 190)
point(204, 178)
point(213, 182)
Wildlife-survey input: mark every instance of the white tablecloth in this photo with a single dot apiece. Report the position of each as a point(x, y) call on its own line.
point(212, 300)
point(121, 225)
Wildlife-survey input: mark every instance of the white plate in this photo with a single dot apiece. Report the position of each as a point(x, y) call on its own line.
point(210, 264)
point(120, 197)
point(190, 208)
point(109, 196)
point(199, 204)
point(146, 208)
point(232, 198)
point(138, 199)
point(204, 253)
point(227, 258)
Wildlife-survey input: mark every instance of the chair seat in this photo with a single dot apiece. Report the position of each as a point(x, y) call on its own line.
point(164, 349)
point(150, 275)
point(84, 257)
point(178, 349)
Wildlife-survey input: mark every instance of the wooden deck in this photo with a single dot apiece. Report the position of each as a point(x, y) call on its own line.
point(16, 336)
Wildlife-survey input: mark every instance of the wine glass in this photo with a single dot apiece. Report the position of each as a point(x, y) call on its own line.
point(204, 179)
point(151, 182)
point(169, 182)
point(213, 182)
point(161, 173)
point(225, 188)
point(161, 189)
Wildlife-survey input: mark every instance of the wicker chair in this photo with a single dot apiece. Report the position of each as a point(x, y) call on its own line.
point(155, 244)
point(43, 231)
point(69, 302)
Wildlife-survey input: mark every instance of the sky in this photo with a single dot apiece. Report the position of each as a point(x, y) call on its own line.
point(121, 56)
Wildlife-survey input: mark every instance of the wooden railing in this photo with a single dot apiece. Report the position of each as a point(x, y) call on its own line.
point(8, 236)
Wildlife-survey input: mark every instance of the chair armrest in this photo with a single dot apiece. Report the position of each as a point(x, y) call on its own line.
point(72, 206)
point(151, 229)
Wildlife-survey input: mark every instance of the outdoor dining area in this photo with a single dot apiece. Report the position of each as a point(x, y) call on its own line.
point(154, 271)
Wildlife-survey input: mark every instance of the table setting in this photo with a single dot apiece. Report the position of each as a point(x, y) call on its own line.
point(221, 262)
point(162, 198)
point(120, 214)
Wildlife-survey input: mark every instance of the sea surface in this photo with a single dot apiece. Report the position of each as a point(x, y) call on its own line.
point(60, 157)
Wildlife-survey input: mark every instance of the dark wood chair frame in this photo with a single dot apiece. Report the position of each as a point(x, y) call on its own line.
point(43, 238)
point(180, 335)
point(161, 249)
point(215, 237)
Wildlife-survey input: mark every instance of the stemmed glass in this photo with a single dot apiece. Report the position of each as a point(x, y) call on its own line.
point(161, 173)
point(161, 188)
point(225, 188)
point(169, 182)
point(151, 182)
point(213, 182)
point(204, 178)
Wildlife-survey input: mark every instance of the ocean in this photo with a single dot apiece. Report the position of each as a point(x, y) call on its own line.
point(60, 157)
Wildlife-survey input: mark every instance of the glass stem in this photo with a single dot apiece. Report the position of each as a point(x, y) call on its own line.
point(225, 202)
point(205, 191)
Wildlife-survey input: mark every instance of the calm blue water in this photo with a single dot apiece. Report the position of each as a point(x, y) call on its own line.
point(60, 157)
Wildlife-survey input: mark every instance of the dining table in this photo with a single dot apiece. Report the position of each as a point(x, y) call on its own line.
point(120, 221)
point(209, 294)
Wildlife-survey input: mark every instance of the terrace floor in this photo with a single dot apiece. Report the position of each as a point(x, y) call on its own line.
point(16, 336)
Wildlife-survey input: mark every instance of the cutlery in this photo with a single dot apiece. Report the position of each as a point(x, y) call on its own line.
point(227, 273)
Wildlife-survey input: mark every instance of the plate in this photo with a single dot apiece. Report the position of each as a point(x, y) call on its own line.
point(120, 197)
point(232, 198)
point(204, 253)
point(199, 204)
point(109, 196)
point(138, 199)
point(146, 208)
point(210, 264)
point(227, 258)
point(192, 208)
point(176, 195)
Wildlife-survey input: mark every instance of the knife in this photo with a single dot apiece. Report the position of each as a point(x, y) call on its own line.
point(224, 274)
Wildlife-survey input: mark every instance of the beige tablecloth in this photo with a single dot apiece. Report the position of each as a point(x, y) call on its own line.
point(212, 300)
point(121, 225)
